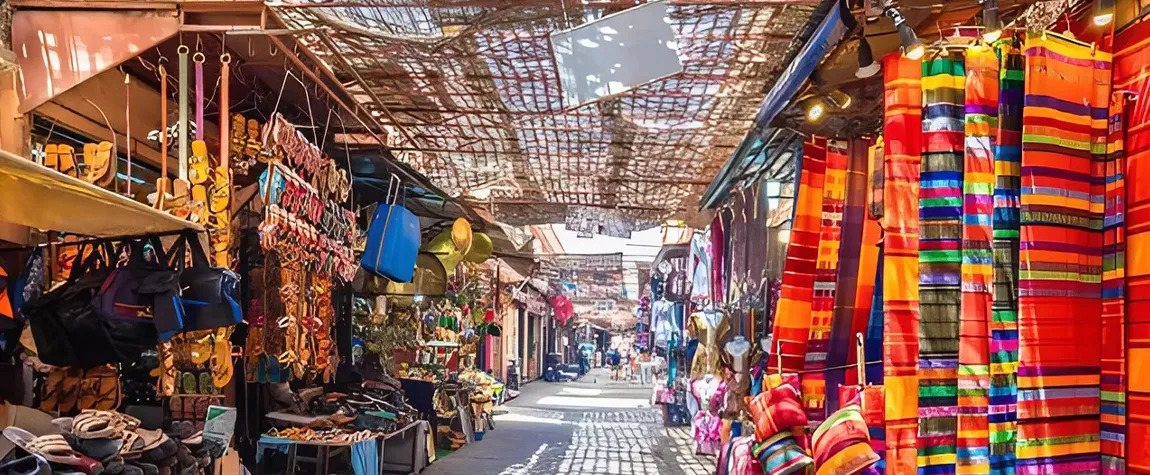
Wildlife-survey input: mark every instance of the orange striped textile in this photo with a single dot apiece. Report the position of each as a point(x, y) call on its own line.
point(826, 280)
point(902, 132)
point(793, 318)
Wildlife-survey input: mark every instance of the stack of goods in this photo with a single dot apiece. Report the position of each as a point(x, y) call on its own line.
point(104, 442)
point(779, 421)
point(374, 407)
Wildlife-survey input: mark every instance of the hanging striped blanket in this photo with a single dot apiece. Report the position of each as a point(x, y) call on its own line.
point(902, 115)
point(973, 453)
point(1004, 315)
point(793, 318)
point(940, 262)
point(855, 278)
point(1126, 427)
point(1113, 383)
point(826, 273)
point(1060, 273)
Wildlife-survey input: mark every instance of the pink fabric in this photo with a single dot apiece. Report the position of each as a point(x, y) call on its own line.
point(707, 428)
point(717, 399)
point(717, 234)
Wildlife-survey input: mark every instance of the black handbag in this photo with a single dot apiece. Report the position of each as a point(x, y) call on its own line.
point(210, 295)
point(64, 323)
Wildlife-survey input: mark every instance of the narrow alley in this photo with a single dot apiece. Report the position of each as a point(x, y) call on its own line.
point(590, 426)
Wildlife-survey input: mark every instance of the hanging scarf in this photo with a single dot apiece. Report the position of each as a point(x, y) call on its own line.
point(874, 352)
point(823, 303)
point(977, 260)
point(1004, 307)
point(940, 262)
point(793, 318)
point(1060, 257)
point(855, 275)
point(902, 79)
point(1125, 412)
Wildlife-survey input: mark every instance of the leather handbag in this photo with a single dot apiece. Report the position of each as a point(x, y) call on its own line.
point(210, 297)
point(393, 238)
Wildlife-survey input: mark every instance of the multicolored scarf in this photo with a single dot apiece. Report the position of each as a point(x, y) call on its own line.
point(857, 258)
point(1060, 275)
point(973, 453)
point(826, 280)
point(940, 263)
point(1004, 309)
point(902, 114)
point(792, 324)
point(873, 351)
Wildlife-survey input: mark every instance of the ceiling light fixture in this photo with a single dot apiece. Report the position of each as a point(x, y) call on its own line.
point(991, 24)
point(867, 66)
point(815, 109)
point(839, 99)
point(1103, 12)
point(912, 47)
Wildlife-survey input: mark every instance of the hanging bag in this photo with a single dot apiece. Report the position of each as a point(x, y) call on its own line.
point(131, 296)
point(392, 238)
point(210, 296)
point(64, 323)
point(872, 399)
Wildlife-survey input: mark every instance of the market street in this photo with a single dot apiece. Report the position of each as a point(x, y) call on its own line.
point(582, 427)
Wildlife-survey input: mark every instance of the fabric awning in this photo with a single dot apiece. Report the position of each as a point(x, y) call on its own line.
point(34, 196)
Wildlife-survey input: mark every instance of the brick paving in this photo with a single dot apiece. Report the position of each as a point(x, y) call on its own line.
point(589, 427)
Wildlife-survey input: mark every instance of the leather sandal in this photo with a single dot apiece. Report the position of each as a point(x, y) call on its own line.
point(99, 164)
point(52, 156)
point(53, 390)
point(67, 160)
point(199, 168)
point(199, 205)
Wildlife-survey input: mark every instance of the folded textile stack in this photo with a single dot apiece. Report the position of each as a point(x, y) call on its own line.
point(842, 444)
point(778, 417)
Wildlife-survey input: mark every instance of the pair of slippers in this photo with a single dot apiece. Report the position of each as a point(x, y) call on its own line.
point(55, 449)
point(62, 158)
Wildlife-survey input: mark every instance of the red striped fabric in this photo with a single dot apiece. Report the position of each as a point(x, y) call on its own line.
point(793, 318)
point(826, 280)
point(902, 131)
point(1131, 57)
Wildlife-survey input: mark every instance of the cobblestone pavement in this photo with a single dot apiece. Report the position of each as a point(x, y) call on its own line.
point(589, 427)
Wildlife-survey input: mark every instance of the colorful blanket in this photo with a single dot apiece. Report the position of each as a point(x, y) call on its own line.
point(1060, 273)
point(902, 115)
point(1004, 309)
point(826, 280)
point(940, 262)
point(973, 452)
point(855, 276)
point(793, 317)
point(1113, 382)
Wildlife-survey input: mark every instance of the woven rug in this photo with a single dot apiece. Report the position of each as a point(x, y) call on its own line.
point(792, 324)
point(973, 453)
point(902, 115)
point(1060, 272)
point(852, 305)
point(826, 280)
point(1004, 314)
point(940, 263)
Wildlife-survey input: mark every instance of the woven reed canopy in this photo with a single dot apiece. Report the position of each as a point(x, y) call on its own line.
point(470, 95)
